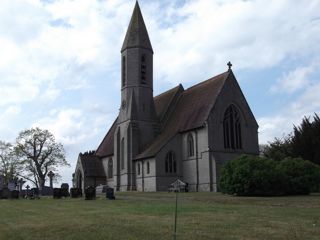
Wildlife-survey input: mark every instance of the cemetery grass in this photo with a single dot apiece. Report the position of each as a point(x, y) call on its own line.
point(150, 216)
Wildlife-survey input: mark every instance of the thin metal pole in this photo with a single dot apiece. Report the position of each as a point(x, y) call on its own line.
point(175, 218)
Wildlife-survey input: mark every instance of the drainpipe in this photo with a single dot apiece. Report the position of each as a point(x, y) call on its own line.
point(142, 172)
point(197, 163)
point(210, 155)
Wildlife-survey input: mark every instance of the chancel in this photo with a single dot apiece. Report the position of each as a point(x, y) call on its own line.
point(185, 134)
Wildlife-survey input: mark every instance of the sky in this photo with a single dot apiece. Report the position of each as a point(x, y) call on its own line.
point(60, 61)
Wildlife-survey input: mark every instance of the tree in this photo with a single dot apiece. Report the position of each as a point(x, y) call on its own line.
point(279, 149)
point(303, 142)
point(39, 153)
point(9, 166)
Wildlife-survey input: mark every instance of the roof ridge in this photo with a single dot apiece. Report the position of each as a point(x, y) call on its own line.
point(171, 89)
point(210, 79)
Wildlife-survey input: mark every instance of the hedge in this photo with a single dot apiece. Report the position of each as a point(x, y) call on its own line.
point(260, 176)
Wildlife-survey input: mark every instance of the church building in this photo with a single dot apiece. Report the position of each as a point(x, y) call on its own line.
point(186, 134)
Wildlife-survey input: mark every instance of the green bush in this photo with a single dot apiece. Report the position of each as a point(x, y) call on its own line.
point(300, 176)
point(259, 176)
point(251, 175)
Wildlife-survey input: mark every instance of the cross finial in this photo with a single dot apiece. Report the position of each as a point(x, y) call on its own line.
point(229, 65)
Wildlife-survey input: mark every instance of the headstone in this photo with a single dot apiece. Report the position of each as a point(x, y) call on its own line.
point(11, 186)
point(5, 193)
point(65, 190)
point(101, 190)
point(35, 193)
point(75, 192)
point(57, 193)
point(90, 193)
point(15, 194)
point(110, 194)
point(46, 191)
point(1, 182)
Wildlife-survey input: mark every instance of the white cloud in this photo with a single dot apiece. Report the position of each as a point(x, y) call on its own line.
point(281, 122)
point(251, 34)
point(294, 80)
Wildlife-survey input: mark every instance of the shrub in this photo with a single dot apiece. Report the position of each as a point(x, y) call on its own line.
point(301, 176)
point(259, 176)
point(251, 175)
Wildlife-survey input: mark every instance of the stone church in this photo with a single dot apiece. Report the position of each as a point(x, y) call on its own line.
point(182, 133)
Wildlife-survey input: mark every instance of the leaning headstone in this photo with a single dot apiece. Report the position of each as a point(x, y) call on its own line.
point(5, 193)
point(15, 194)
point(75, 192)
point(90, 193)
point(110, 194)
point(57, 193)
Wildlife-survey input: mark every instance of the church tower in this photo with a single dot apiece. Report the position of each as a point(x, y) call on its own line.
point(137, 122)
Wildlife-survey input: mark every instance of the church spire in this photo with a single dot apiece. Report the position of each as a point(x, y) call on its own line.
point(137, 35)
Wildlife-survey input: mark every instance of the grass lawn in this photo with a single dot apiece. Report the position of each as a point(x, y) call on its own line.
point(150, 216)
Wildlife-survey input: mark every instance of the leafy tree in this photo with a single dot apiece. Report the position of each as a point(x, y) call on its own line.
point(9, 166)
point(39, 153)
point(279, 149)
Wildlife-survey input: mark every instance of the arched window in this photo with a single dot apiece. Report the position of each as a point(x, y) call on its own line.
point(143, 69)
point(232, 129)
point(190, 145)
point(170, 163)
point(123, 71)
point(122, 153)
point(138, 168)
point(110, 168)
point(148, 167)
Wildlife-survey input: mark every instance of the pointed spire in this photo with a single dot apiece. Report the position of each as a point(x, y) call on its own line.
point(137, 35)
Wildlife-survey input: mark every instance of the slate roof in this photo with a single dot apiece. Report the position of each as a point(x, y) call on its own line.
point(191, 112)
point(92, 165)
point(137, 34)
point(106, 146)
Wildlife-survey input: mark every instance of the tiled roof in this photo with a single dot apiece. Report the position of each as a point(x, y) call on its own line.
point(190, 109)
point(92, 165)
point(106, 146)
point(191, 112)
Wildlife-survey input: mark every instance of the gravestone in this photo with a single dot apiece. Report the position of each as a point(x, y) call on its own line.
point(75, 192)
point(11, 186)
point(110, 194)
point(1, 182)
point(57, 193)
point(5, 193)
point(15, 194)
point(34, 193)
point(65, 190)
point(90, 193)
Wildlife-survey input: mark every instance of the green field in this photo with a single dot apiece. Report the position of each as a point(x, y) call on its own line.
point(151, 216)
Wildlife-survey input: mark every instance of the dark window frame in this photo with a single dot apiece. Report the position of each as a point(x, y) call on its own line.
point(190, 145)
point(232, 128)
point(170, 163)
